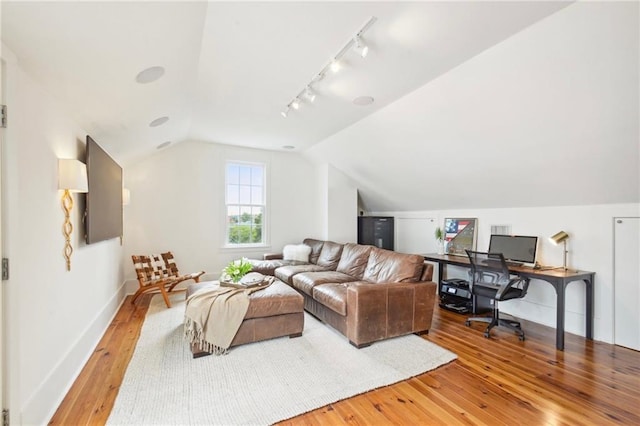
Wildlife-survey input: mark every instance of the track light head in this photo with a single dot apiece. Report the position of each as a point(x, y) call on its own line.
point(360, 48)
point(335, 65)
point(310, 94)
point(295, 104)
point(285, 112)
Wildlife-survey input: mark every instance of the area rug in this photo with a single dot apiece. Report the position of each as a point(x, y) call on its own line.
point(258, 383)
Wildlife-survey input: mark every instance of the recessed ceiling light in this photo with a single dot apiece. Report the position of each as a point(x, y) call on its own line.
point(288, 147)
point(163, 145)
point(149, 75)
point(363, 100)
point(158, 121)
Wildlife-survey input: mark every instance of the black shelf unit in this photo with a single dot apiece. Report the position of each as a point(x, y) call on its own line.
point(376, 231)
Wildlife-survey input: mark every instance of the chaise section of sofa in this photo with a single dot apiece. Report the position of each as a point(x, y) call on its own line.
point(373, 294)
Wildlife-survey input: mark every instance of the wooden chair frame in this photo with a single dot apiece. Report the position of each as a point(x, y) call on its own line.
point(159, 272)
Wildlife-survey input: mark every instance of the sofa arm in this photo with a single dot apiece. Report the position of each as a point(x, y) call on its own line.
point(383, 310)
point(271, 256)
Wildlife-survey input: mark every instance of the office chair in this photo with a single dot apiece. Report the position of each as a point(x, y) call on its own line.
point(490, 277)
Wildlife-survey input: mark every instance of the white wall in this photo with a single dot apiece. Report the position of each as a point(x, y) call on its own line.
point(54, 318)
point(590, 248)
point(549, 116)
point(342, 207)
point(177, 204)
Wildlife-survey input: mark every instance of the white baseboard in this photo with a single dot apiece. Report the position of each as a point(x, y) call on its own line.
point(39, 408)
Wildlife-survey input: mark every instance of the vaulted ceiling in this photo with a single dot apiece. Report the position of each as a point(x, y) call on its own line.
point(232, 67)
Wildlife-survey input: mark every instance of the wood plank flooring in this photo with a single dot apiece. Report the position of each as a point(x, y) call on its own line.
point(493, 382)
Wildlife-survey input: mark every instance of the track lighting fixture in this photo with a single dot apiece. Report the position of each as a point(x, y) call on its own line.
point(360, 48)
point(334, 65)
point(310, 94)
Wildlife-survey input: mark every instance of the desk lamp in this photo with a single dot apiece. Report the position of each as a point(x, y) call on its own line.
point(561, 237)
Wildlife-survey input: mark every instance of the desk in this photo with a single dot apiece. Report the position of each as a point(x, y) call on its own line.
point(558, 278)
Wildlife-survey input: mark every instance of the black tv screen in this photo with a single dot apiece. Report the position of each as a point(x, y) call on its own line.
point(103, 219)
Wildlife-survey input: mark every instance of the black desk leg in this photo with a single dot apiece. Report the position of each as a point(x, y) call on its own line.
point(589, 310)
point(560, 290)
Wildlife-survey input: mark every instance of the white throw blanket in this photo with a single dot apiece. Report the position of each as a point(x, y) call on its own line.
point(213, 316)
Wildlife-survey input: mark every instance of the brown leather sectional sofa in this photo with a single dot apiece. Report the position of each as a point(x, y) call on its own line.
point(366, 293)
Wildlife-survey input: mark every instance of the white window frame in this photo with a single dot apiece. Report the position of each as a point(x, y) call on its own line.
point(264, 205)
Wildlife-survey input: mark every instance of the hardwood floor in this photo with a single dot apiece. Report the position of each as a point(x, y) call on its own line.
point(494, 381)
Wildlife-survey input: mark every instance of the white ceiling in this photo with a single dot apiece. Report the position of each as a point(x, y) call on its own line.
point(232, 67)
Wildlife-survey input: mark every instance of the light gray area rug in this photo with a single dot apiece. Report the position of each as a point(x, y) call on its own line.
point(258, 383)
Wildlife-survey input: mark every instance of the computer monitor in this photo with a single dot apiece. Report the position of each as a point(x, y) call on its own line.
point(514, 248)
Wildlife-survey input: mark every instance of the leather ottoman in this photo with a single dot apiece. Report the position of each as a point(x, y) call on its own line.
point(275, 311)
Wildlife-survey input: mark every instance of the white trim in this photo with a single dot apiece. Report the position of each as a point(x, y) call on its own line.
point(75, 359)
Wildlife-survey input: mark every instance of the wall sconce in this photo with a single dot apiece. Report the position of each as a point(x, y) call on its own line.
point(72, 177)
point(561, 237)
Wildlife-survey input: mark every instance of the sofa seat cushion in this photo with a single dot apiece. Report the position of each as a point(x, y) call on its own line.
point(354, 259)
point(330, 255)
point(388, 266)
point(333, 296)
point(306, 281)
point(286, 273)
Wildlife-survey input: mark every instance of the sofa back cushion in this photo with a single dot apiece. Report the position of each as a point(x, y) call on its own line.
point(354, 259)
point(330, 255)
point(387, 266)
point(316, 248)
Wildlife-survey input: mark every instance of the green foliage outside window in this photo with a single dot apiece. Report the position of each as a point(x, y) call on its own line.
point(247, 231)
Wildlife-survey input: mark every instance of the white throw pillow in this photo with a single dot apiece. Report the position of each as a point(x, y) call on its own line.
point(298, 252)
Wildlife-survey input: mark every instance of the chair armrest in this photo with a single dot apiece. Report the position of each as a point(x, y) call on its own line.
point(382, 310)
point(271, 256)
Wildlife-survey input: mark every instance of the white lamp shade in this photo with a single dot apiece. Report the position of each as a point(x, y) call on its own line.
point(126, 196)
point(72, 175)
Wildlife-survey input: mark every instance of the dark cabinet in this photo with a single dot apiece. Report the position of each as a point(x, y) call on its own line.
point(376, 231)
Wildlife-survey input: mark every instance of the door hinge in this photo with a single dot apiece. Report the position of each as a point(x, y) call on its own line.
point(3, 116)
point(5, 417)
point(5, 269)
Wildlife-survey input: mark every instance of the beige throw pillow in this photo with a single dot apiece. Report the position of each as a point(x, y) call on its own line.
point(299, 252)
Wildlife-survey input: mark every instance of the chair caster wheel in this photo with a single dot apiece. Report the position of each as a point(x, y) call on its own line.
point(521, 338)
point(486, 334)
point(467, 323)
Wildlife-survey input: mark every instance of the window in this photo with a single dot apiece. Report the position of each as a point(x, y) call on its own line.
point(245, 203)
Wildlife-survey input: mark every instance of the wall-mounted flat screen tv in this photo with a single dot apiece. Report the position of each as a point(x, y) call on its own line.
point(103, 219)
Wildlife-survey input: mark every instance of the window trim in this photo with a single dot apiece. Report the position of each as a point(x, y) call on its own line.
point(265, 206)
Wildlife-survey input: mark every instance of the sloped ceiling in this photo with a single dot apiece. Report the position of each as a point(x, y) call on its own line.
point(463, 90)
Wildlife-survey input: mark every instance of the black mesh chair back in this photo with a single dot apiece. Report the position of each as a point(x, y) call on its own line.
point(490, 278)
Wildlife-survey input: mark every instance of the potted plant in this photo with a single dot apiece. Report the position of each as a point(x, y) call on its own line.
point(235, 270)
point(439, 234)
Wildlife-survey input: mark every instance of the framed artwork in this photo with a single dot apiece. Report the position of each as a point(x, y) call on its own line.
point(460, 235)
